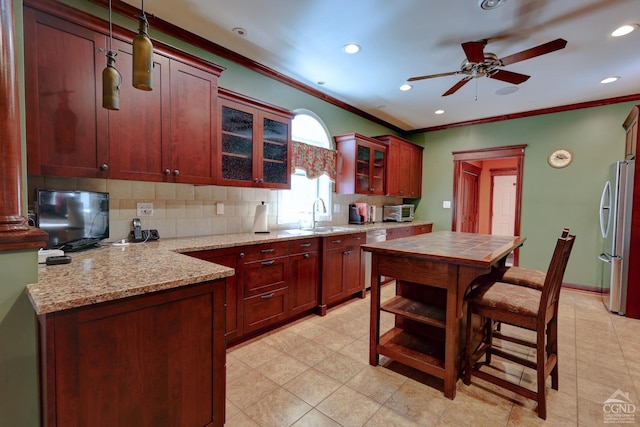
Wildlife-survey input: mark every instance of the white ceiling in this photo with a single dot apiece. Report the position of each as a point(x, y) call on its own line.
point(303, 39)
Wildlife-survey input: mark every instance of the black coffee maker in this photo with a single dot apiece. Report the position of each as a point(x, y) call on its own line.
point(354, 216)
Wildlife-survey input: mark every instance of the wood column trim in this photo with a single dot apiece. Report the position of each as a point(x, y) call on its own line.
point(15, 233)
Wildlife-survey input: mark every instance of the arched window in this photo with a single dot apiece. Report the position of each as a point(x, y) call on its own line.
point(294, 206)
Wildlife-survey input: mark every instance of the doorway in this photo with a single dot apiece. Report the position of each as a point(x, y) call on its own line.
point(477, 201)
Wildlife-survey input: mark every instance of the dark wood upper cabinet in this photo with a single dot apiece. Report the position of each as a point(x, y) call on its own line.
point(254, 143)
point(138, 132)
point(67, 131)
point(362, 164)
point(193, 131)
point(167, 134)
point(404, 171)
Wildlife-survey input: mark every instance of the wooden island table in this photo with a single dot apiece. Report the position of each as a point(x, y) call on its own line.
point(432, 272)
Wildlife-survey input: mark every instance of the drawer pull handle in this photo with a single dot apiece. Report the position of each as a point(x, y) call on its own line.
point(336, 241)
point(356, 238)
point(305, 245)
point(268, 251)
point(346, 253)
point(268, 296)
point(270, 262)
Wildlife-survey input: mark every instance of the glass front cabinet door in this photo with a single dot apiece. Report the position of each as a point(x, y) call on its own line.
point(255, 144)
point(361, 165)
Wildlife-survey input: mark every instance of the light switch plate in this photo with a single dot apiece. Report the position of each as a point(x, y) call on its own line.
point(220, 208)
point(446, 204)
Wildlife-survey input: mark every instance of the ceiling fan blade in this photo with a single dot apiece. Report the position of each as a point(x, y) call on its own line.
point(457, 86)
point(543, 49)
point(431, 76)
point(509, 76)
point(474, 51)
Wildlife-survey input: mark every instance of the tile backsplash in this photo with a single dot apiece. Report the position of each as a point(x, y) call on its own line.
point(182, 210)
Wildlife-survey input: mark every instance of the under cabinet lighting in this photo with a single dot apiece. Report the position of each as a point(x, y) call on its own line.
point(405, 87)
point(438, 112)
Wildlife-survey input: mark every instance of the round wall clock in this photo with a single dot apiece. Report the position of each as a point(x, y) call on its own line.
point(560, 158)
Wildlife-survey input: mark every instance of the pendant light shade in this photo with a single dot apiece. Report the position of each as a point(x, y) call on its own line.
point(111, 81)
point(142, 56)
point(111, 78)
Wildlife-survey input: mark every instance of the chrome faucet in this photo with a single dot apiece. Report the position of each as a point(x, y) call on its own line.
point(313, 210)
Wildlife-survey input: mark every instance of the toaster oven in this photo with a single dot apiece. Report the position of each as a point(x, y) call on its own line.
point(397, 213)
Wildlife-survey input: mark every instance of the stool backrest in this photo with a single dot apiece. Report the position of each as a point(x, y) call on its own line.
point(555, 273)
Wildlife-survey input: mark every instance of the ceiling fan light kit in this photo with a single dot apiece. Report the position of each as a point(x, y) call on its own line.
point(490, 4)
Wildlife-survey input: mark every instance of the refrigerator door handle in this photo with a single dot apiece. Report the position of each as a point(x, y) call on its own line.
point(605, 205)
point(604, 258)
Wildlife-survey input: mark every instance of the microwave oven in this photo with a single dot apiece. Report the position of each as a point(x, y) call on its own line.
point(397, 213)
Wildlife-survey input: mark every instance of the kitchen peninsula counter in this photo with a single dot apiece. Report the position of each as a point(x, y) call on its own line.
point(111, 272)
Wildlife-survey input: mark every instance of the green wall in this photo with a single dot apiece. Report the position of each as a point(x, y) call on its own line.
point(18, 363)
point(551, 198)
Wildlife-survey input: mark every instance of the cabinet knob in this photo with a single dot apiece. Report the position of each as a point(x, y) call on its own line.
point(167, 172)
point(261, 180)
point(306, 255)
point(241, 254)
point(176, 172)
point(346, 253)
point(104, 167)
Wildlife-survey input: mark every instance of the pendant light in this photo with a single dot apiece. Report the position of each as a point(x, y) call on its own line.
point(142, 55)
point(111, 78)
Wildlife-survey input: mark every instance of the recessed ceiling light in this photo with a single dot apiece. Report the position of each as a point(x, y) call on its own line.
point(507, 90)
point(405, 87)
point(321, 82)
point(490, 4)
point(351, 48)
point(610, 79)
point(438, 112)
point(239, 31)
point(623, 30)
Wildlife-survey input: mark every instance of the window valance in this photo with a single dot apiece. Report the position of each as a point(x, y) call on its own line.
point(315, 161)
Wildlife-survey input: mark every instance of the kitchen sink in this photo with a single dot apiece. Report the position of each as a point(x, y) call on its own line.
point(298, 232)
point(327, 230)
point(312, 231)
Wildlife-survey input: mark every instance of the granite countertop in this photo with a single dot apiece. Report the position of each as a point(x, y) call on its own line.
point(113, 272)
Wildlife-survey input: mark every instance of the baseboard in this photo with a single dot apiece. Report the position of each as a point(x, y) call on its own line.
point(584, 288)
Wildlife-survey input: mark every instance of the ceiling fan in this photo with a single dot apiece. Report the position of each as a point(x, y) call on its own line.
point(479, 63)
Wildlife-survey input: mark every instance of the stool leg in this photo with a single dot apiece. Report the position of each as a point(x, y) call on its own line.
point(552, 348)
point(540, 362)
point(468, 351)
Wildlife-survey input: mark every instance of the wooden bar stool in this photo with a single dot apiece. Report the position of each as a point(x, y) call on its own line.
point(522, 276)
point(525, 307)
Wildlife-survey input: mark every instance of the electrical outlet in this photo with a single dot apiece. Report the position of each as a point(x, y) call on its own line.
point(336, 208)
point(145, 209)
point(220, 208)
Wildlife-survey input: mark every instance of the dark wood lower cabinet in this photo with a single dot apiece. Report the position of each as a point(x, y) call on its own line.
point(151, 360)
point(342, 271)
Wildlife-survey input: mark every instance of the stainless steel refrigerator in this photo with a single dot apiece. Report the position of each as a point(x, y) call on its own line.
point(615, 226)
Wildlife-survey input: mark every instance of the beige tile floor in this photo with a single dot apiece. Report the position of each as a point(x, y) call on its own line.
point(315, 372)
